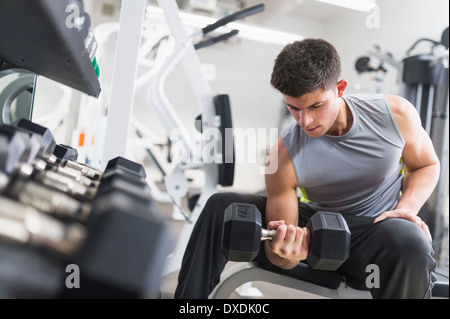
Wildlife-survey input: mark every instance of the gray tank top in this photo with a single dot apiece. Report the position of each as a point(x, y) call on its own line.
point(357, 173)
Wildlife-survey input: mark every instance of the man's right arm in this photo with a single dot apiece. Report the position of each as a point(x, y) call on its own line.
point(290, 244)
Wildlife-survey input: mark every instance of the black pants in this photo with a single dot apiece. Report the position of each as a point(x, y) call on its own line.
point(398, 247)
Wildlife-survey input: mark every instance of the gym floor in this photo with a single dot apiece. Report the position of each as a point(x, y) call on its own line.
point(268, 290)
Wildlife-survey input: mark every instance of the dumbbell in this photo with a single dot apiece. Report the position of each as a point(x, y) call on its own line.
point(44, 198)
point(52, 152)
point(128, 240)
point(35, 153)
point(124, 252)
point(120, 172)
point(22, 224)
point(64, 155)
point(127, 165)
point(15, 160)
point(67, 156)
point(242, 232)
point(118, 178)
point(65, 152)
point(126, 176)
point(121, 250)
point(50, 193)
point(57, 203)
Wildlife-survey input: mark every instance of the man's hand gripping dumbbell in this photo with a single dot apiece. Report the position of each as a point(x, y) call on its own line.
point(329, 236)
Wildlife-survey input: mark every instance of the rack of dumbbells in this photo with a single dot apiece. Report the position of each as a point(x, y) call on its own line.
point(69, 230)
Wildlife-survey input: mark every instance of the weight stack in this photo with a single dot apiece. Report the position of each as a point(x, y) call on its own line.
point(426, 86)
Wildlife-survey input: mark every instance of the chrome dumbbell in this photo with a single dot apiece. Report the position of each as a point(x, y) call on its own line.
point(16, 159)
point(20, 223)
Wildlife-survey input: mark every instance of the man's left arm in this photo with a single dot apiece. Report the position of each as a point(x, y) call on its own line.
point(421, 163)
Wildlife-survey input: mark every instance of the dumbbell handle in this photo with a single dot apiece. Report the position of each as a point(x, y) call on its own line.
point(20, 223)
point(267, 234)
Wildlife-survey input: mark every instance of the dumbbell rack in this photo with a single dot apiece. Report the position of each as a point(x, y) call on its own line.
point(68, 230)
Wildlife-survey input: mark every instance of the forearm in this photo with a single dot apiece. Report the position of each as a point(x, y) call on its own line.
point(418, 186)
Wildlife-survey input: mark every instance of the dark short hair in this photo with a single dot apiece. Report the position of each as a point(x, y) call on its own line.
point(306, 66)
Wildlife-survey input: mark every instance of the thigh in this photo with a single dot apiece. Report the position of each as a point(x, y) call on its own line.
point(212, 215)
point(304, 213)
point(218, 202)
point(382, 243)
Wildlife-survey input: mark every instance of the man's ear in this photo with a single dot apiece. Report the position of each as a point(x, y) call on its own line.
point(341, 86)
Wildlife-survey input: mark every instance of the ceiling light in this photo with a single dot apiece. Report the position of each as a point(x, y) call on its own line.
point(359, 5)
point(246, 31)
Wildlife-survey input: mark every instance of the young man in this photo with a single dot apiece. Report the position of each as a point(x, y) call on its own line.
point(346, 153)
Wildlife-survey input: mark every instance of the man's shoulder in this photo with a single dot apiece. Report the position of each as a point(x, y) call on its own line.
point(398, 103)
point(363, 97)
point(367, 103)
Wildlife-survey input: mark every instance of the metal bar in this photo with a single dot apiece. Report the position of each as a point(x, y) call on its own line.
point(124, 74)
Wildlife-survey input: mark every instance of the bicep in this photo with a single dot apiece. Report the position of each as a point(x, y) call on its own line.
point(418, 150)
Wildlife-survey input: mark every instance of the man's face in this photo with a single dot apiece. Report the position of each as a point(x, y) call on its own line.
point(316, 112)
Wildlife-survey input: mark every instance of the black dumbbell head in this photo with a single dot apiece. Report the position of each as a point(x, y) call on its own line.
point(38, 145)
point(124, 252)
point(126, 201)
point(124, 174)
point(47, 136)
point(14, 148)
point(126, 164)
point(133, 185)
point(241, 232)
point(329, 242)
point(65, 152)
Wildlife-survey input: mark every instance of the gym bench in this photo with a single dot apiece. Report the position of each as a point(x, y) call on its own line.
point(324, 283)
point(320, 282)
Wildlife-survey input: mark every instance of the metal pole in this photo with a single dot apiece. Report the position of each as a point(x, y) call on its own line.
point(132, 15)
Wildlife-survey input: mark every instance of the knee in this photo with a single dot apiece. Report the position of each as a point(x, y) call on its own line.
point(218, 202)
point(406, 242)
point(215, 206)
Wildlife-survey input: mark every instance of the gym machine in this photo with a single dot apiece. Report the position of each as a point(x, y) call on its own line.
point(67, 229)
point(362, 66)
point(215, 115)
point(425, 84)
